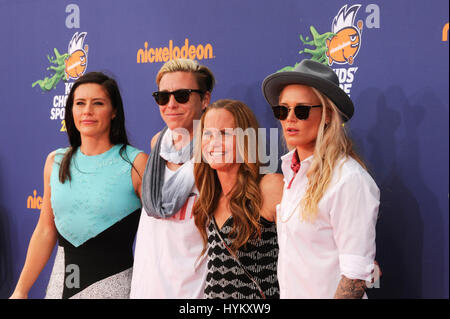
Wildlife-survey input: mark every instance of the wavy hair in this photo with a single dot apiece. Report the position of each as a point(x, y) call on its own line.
point(332, 144)
point(245, 198)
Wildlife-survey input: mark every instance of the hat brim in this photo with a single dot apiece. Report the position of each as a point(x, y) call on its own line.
point(274, 83)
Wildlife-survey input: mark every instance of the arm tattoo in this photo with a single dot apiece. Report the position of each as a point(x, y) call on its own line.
point(350, 288)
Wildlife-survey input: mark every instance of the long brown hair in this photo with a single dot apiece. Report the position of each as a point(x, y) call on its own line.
point(245, 199)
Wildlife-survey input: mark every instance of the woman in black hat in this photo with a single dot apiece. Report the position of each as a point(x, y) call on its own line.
point(326, 219)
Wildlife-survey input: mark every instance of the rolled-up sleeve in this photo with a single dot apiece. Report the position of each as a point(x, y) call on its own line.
point(353, 215)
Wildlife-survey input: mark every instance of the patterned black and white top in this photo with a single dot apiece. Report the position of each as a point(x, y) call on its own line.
point(226, 279)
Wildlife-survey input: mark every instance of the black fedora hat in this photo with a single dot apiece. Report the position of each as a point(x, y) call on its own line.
point(314, 74)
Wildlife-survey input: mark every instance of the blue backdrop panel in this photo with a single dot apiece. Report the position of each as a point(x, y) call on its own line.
point(398, 79)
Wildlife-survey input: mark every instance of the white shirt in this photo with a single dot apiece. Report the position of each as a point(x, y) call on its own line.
point(166, 260)
point(341, 241)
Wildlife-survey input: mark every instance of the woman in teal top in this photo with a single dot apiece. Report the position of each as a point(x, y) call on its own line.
point(91, 200)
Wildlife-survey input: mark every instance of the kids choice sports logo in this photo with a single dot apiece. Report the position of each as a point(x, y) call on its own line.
point(70, 65)
point(76, 63)
point(67, 66)
point(344, 45)
point(340, 46)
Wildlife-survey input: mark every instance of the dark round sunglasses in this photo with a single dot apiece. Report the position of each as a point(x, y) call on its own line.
point(301, 111)
point(181, 96)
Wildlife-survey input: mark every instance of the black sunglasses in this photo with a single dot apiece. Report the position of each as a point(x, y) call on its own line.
point(181, 96)
point(301, 111)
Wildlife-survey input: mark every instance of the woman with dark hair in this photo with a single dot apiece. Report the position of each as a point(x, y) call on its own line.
point(235, 210)
point(91, 200)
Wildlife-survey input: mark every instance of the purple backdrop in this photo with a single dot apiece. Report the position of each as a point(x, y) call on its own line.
point(398, 80)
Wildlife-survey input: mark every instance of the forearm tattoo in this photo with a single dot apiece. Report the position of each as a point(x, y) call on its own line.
point(350, 289)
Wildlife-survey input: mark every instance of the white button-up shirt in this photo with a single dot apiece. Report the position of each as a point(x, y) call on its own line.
point(341, 241)
point(167, 263)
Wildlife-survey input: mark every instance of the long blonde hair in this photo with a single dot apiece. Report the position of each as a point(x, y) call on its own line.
point(332, 144)
point(245, 199)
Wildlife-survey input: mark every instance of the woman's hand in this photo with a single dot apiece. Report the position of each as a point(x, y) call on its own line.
point(18, 295)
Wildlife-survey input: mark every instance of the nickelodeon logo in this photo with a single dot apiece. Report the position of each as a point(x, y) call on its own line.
point(34, 202)
point(164, 54)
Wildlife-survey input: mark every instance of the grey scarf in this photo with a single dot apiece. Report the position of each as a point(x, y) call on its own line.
point(163, 200)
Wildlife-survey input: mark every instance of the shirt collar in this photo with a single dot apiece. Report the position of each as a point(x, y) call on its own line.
point(286, 160)
point(288, 157)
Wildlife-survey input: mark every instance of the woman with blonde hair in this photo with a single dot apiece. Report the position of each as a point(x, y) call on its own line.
point(167, 241)
point(235, 211)
point(326, 220)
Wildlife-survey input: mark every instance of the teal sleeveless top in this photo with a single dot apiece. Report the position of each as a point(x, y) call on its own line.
point(100, 193)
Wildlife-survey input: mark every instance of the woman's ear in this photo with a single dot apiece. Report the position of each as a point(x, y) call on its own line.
point(206, 100)
point(114, 114)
